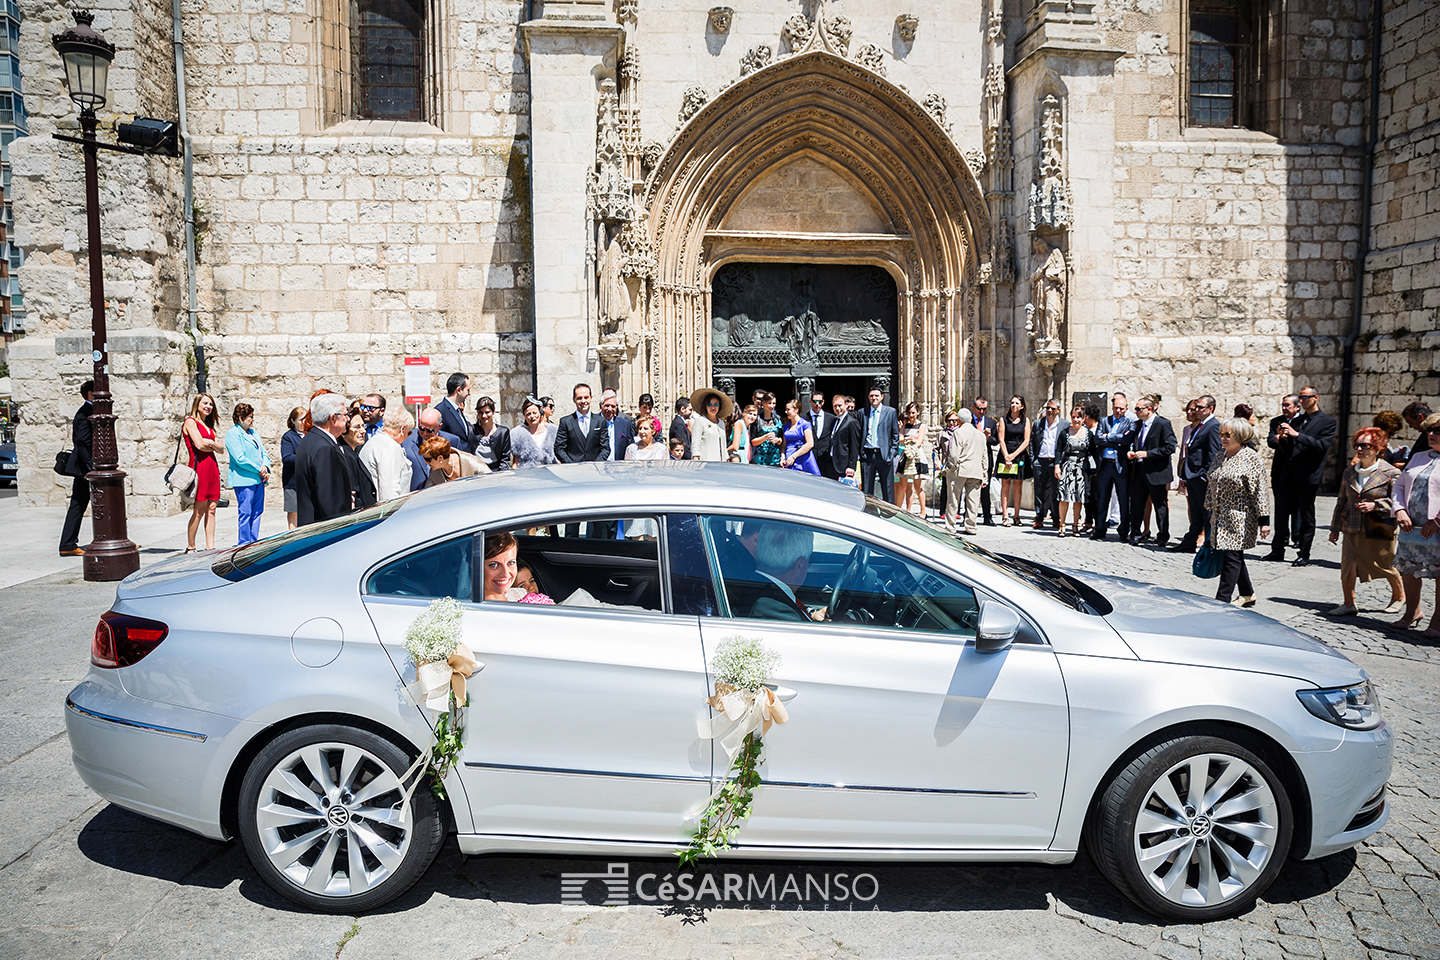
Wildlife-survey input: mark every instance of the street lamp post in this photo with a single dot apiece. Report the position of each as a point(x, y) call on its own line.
point(111, 556)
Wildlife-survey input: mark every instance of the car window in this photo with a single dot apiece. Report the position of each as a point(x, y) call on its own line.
point(442, 570)
point(692, 591)
point(587, 561)
point(272, 552)
point(771, 570)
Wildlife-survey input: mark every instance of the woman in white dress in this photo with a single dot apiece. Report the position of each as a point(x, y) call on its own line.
point(710, 409)
point(644, 447)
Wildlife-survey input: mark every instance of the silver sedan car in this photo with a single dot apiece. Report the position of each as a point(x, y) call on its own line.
point(946, 703)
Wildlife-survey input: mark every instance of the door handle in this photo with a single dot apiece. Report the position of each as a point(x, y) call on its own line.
point(783, 694)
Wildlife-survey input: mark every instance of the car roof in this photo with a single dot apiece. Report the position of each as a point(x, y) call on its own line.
point(692, 484)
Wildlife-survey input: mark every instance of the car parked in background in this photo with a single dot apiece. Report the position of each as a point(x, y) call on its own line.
point(9, 464)
point(946, 704)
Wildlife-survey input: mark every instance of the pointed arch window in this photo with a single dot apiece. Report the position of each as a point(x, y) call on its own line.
point(388, 50)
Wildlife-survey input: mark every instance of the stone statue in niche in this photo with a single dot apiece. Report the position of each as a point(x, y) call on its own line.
point(907, 25)
point(614, 292)
point(1047, 297)
point(720, 18)
point(1050, 193)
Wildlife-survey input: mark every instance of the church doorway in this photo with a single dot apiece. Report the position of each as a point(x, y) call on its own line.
point(792, 328)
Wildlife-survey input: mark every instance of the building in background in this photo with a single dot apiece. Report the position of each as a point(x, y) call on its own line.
point(12, 124)
point(936, 197)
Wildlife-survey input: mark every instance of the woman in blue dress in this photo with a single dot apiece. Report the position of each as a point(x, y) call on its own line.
point(799, 442)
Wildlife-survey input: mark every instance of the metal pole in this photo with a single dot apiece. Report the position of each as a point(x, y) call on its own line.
point(111, 556)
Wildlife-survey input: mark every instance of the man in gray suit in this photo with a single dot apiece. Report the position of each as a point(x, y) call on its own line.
point(782, 561)
point(878, 443)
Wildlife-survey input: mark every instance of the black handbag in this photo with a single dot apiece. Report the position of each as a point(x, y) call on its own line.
point(62, 463)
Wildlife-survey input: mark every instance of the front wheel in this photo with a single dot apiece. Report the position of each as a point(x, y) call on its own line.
point(1194, 829)
point(324, 822)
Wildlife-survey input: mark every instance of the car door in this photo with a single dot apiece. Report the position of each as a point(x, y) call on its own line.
point(582, 722)
point(901, 734)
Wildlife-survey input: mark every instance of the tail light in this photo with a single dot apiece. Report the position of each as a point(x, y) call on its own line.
point(121, 640)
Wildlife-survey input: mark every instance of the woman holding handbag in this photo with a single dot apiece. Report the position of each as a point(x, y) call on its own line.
point(1010, 468)
point(1362, 514)
point(203, 442)
point(1238, 506)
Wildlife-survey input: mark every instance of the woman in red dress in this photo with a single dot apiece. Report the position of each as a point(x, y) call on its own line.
point(203, 443)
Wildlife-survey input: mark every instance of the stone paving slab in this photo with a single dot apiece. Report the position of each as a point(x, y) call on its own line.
point(83, 879)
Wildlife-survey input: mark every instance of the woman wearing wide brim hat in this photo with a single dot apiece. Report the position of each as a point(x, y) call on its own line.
point(710, 409)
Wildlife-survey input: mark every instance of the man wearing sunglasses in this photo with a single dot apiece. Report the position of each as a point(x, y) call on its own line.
point(1305, 443)
point(372, 409)
point(427, 427)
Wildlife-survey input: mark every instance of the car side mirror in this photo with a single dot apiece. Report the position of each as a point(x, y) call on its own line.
point(996, 628)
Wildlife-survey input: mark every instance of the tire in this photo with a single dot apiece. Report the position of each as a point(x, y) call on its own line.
point(319, 802)
point(1188, 855)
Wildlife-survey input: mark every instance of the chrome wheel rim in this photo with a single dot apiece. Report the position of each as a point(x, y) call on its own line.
point(1207, 830)
point(332, 819)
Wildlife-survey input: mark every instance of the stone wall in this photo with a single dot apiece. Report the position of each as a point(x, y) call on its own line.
point(1398, 352)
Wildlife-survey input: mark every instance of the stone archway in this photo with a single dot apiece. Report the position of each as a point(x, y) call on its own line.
point(906, 201)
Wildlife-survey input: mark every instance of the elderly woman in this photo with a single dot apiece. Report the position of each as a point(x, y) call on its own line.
point(249, 472)
point(1417, 514)
point(448, 464)
point(1362, 514)
point(1235, 496)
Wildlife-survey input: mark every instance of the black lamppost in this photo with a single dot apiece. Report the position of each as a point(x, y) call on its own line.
point(111, 556)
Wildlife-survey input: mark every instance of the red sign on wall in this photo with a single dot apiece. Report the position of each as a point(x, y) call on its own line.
point(417, 380)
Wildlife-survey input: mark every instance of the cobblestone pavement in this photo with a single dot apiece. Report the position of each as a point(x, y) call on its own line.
point(82, 879)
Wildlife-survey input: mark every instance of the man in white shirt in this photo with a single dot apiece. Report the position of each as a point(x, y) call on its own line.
point(385, 459)
point(1044, 450)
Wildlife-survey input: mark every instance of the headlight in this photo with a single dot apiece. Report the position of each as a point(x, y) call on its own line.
point(1356, 708)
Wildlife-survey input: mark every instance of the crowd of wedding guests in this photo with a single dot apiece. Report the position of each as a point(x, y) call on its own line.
point(1089, 470)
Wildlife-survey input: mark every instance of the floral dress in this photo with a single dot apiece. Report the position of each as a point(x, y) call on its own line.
point(767, 454)
point(1416, 556)
point(1073, 481)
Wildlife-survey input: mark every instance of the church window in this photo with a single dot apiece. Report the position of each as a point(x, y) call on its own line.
point(388, 69)
point(1223, 64)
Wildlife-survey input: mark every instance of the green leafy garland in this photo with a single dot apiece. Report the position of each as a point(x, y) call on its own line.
point(449, 737)
point(730, 808)
point(433, 637)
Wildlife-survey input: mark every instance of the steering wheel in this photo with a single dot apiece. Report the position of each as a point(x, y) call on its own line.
point(849, 579)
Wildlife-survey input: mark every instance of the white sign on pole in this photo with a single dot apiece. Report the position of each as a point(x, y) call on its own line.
point(417, 380)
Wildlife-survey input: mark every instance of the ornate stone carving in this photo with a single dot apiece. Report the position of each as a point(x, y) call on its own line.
point(695, 98)
point(797, 31)
point(629, 9)
point(639, 251)
point(838, 31)
point(630, 63)
point(721, 18)
point(650, 154)
point(1046, 308)
point(995, 26)
point(881, 383)
point(1050, 193)
point(975, 158)
point(802, 335)
point(871, 57)
point(907, 25)
point(613, 200)
point(934, 105)
point(756, 58)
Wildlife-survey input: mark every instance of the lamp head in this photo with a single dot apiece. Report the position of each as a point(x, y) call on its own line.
point(87, 57)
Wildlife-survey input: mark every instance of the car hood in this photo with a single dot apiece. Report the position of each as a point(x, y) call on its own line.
point(1176, 626)
point(183, 574)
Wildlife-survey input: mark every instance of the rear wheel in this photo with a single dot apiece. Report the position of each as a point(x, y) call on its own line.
point(1193, 829)
point(324, 821)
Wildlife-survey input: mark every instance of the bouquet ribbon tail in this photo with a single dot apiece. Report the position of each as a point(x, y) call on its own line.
point(439, 678)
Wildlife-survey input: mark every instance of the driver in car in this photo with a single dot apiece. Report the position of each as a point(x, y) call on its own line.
point(782, 560)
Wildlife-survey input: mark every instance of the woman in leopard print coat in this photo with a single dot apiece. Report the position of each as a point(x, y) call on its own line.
point(1239, 507)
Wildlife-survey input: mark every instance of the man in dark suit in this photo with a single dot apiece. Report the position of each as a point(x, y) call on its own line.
point(845, 439)
point(322, 477)
point(987, 425)
point(822, 426)
point(452, 411)
point(680, 426)
point(582, 437)
point(1284, 513)
point(782, 561)
point(1046, 436)
point(1203, 450)
point(1151, 470)
point(1309, 438)
point(81, 462)
point(428, 426)
point(879, 440)
point(1117, 433)
point(619, 429)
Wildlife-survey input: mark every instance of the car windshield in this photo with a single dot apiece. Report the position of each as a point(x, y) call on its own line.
point(262, 555)
point(1049, 582)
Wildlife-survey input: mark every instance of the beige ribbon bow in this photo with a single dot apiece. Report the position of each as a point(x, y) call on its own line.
point(743, 712)
point(438, 678)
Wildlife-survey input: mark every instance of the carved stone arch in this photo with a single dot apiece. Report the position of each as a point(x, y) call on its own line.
point(879, 139)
